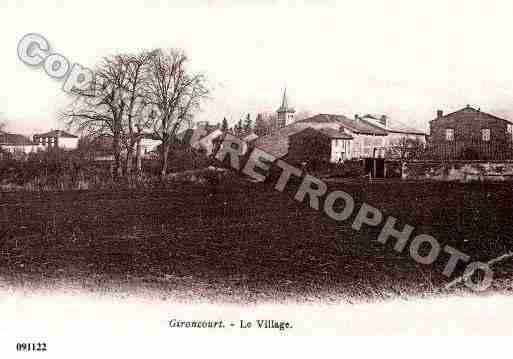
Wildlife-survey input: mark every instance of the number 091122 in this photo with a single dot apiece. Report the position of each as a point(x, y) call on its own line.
point(31, 347)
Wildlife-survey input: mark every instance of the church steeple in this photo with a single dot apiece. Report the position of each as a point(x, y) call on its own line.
point(285, 112)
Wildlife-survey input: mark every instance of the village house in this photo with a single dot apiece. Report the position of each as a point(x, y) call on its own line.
point(397, 131)
point(319, 146)
point(148, 143)
point(361, 137)
point(100, 148)
point(56, 139)
point(365, 140)
point(16, 143)
point(470, 133)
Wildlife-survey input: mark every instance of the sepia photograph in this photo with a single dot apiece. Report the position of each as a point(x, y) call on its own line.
point(184, 178)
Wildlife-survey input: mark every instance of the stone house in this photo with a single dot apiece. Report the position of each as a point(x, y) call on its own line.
point(471, 133)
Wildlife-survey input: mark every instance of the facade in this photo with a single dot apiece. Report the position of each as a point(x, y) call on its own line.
point(325, 145)
point(56, 139)
point(469, 125)
point(470, 133)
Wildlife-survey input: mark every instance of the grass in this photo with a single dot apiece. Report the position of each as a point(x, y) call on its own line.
point(247, 243)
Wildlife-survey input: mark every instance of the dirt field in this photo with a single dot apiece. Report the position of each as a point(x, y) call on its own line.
point(248, 243)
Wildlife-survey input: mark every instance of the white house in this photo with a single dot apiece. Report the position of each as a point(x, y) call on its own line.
point(15, 143)
point(149, 143)
point(56, 138)
point(324, 144)
point(370, 136)
point(366, 139)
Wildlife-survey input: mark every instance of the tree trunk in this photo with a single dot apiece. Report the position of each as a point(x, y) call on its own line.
point(164, 159)
point(117, 158)
point(138, 155)
point(129, 161)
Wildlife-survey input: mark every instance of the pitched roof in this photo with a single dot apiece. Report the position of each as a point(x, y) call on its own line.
point(470, 109)
point(277, 144)
point(392, 125)
point(356, 126)
point(57, 133)
point(328, 132)
point(332, 133)
point(14, 139)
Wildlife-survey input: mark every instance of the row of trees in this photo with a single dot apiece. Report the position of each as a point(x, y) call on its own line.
point(262, 126)
point(132, 95)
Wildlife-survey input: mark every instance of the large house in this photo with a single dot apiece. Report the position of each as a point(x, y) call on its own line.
point(470, 133)
point(57, 139)
point(16, 143)
point(365, 139)
point(318, 145)
point(338, 136)
point(396, 130)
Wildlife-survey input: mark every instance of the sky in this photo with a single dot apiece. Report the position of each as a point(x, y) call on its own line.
point(405, 59)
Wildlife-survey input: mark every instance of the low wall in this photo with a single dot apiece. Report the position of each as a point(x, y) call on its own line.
point(460, 171)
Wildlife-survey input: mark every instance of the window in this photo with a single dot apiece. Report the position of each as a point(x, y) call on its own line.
point(449, 134)
point(485, 134)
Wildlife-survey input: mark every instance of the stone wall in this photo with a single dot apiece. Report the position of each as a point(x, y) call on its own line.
point(459, 171)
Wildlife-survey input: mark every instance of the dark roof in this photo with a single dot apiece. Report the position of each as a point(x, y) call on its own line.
point(328, 132)
point(56, 133)
point(277, 144)
point(392, 125)
point(357, 126)
point(150, 136)
point(14, 139)
point(332, 133)
point(470, 109)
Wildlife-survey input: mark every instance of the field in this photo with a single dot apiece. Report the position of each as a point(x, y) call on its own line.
point(247, 243)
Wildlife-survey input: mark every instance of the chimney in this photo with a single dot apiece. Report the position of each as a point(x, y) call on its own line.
point(383, 120)
point(356, 117)
point(439, 114)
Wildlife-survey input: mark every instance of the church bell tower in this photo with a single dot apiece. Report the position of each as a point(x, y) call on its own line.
point(285, 112)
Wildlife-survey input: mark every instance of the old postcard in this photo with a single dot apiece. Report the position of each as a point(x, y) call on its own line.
point(178, 178)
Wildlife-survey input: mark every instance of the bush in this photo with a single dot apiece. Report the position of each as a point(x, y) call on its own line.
point(54, 170)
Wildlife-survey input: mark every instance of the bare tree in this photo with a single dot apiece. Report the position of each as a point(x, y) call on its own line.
point(404, 147)
point(108, 107)
point(177, 94)
point(135, 120)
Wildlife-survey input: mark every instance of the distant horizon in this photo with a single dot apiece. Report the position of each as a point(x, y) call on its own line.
point(430, 57)
point(253, 117)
